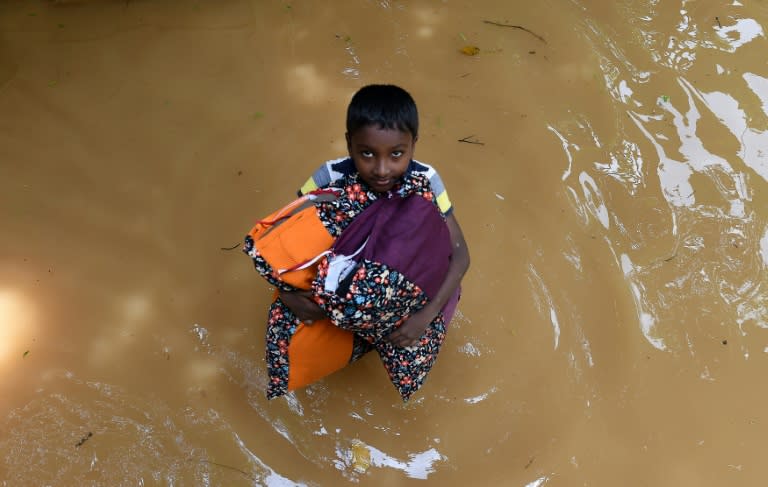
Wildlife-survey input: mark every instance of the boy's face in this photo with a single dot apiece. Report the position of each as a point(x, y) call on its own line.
point(381, 156)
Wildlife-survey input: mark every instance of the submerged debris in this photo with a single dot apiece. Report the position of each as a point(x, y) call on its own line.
point(530, 462)
point(520, 27)
point(228, 467)
point(83, 440)
point(471, 139)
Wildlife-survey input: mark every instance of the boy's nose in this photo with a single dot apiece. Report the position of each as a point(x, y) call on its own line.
point(380, 168)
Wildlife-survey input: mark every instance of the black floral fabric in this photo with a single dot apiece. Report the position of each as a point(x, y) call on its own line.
point(337, 215)
point(281, 326)
point(393, 302)
point(378, 301)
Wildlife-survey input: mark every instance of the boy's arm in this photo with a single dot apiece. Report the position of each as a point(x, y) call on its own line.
point(409, 332)
point(303, 306)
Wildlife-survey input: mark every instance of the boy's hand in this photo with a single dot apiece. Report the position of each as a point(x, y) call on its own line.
point(302, 305)
point(409, 332)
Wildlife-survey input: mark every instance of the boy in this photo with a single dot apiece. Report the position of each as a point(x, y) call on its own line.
point(382, 130)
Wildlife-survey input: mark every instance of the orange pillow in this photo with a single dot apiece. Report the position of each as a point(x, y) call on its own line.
point(285, 247)
point(288, 240)
point(317, 350)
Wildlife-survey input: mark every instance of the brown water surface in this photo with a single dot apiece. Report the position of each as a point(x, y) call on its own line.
point(614, 324)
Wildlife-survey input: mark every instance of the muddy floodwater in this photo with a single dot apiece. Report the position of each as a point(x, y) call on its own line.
point(608, 162)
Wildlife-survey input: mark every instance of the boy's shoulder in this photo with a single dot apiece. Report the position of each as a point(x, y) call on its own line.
point(438, 187)
point(336, 170)
point(328, 173)
point(419, 167)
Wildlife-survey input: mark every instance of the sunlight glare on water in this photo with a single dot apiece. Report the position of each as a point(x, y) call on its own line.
point(18, 324)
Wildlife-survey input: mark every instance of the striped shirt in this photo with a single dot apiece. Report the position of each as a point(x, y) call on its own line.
point(333, 170)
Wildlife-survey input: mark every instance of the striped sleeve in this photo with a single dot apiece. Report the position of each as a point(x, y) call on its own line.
point(438, 187)
point(322, 177)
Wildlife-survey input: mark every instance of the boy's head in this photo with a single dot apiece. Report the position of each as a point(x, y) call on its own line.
point(386, 106)
point(382, 129)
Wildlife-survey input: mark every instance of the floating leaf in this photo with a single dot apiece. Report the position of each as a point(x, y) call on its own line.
point(25, 354)
point(361, 457)
point(470, 50)
point(52, 83)
point(258, 115)
point(463, 37)
point(664, 98)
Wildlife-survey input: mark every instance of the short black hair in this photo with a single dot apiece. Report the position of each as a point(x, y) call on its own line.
point(387, 106)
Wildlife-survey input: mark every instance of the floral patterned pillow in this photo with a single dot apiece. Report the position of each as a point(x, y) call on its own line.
point(376, 302)
point(382, 269)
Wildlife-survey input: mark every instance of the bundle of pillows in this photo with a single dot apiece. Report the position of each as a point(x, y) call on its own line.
point(389, 259)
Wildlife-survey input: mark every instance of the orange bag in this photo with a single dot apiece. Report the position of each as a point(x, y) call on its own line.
point(291, 241)
point(317, 350)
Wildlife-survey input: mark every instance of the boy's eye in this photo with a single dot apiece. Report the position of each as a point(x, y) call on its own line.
point(367, 153)
point(397, 153)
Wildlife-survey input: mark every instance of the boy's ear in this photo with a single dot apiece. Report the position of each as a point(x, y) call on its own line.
point(349, 142)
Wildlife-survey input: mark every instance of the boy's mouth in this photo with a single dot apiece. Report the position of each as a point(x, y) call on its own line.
point(381, 184)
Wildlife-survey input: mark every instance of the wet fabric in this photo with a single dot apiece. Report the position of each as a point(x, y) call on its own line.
point(283, 247)
point(402, 250)
point(336, 215)
point(298, 354)
point(284, 244)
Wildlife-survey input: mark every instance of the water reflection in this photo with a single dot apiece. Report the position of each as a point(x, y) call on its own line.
point(544, 302)
point(419, 465)
point(739, 33)
point(702, 181)
point(764, 247)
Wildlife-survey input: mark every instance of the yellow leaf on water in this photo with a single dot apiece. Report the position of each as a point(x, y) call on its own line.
point(361, 457)
point(470, 50)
